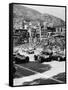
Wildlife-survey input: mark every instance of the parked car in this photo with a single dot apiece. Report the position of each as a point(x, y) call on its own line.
point(57, 58)
point(62, 59)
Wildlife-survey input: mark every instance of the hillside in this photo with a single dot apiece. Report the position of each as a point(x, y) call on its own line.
point(24, 12)
point(21, 12)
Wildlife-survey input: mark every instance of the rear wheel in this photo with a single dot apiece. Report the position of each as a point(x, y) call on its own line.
point(27, 59)
point(35, 57)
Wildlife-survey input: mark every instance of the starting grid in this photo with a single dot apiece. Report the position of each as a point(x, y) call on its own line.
point(59, 81)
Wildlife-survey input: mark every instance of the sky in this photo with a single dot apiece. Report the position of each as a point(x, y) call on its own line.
point(56, 11)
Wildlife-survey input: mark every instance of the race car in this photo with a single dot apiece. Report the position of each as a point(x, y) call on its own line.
point(43, 57)
point(18, 59)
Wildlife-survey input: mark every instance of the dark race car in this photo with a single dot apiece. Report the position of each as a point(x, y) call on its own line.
point(43, 57)
point(18, 59)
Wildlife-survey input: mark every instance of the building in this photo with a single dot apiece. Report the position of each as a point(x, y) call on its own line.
point(21, 36)
point(43, 30)
point(47, 30)
point(60, 30)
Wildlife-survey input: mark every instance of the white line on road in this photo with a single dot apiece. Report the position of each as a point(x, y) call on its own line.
point(38, 73)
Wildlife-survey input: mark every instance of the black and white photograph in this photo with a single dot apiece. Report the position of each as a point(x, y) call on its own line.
point(38, 44)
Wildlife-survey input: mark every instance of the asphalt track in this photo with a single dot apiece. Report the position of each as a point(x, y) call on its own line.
point(31, 74)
